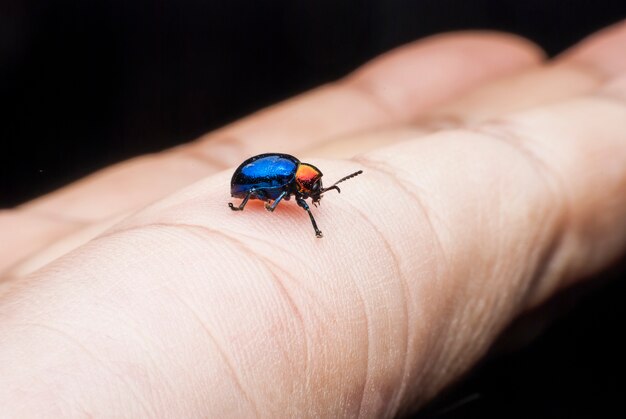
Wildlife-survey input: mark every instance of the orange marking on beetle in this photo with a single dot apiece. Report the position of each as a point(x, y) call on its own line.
point(306, 176)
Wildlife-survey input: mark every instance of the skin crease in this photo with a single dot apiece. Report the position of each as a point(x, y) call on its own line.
point(184, 309)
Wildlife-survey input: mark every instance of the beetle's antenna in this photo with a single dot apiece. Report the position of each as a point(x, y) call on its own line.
point(334, 186)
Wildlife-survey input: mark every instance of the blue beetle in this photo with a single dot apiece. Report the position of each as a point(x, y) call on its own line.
point(272, 177)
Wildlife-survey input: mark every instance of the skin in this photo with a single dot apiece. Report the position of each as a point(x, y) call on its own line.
point(492, 179)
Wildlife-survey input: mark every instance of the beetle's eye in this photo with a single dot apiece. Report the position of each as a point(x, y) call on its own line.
point(316, 187)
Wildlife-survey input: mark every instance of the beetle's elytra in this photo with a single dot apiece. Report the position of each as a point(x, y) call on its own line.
point(272, 177)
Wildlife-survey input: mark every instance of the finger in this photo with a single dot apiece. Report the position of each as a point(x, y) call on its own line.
point(428, 255)
point(578, 71)
point(425, 73)
point(601, 47)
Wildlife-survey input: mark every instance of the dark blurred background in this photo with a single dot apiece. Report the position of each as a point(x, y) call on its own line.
point(85, 84)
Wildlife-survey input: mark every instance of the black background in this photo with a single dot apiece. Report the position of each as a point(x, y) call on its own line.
point(85, 84)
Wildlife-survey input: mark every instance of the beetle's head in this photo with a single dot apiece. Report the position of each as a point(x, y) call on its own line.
point(309, 181)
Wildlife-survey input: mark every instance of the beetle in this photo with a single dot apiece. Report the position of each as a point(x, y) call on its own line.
point(272, 177)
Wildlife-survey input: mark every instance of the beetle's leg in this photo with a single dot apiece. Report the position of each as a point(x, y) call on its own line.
point(304, 205)
point(243, 203)
point(272, 207)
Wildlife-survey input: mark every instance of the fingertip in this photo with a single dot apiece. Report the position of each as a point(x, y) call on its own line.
point(603, 51)
point(510, 49)
point(516, 47)
point(401, 77)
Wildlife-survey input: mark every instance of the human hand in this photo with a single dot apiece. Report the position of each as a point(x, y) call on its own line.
point(492, 180)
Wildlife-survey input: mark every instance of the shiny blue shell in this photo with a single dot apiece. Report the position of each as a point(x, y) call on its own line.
point(268, 175)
